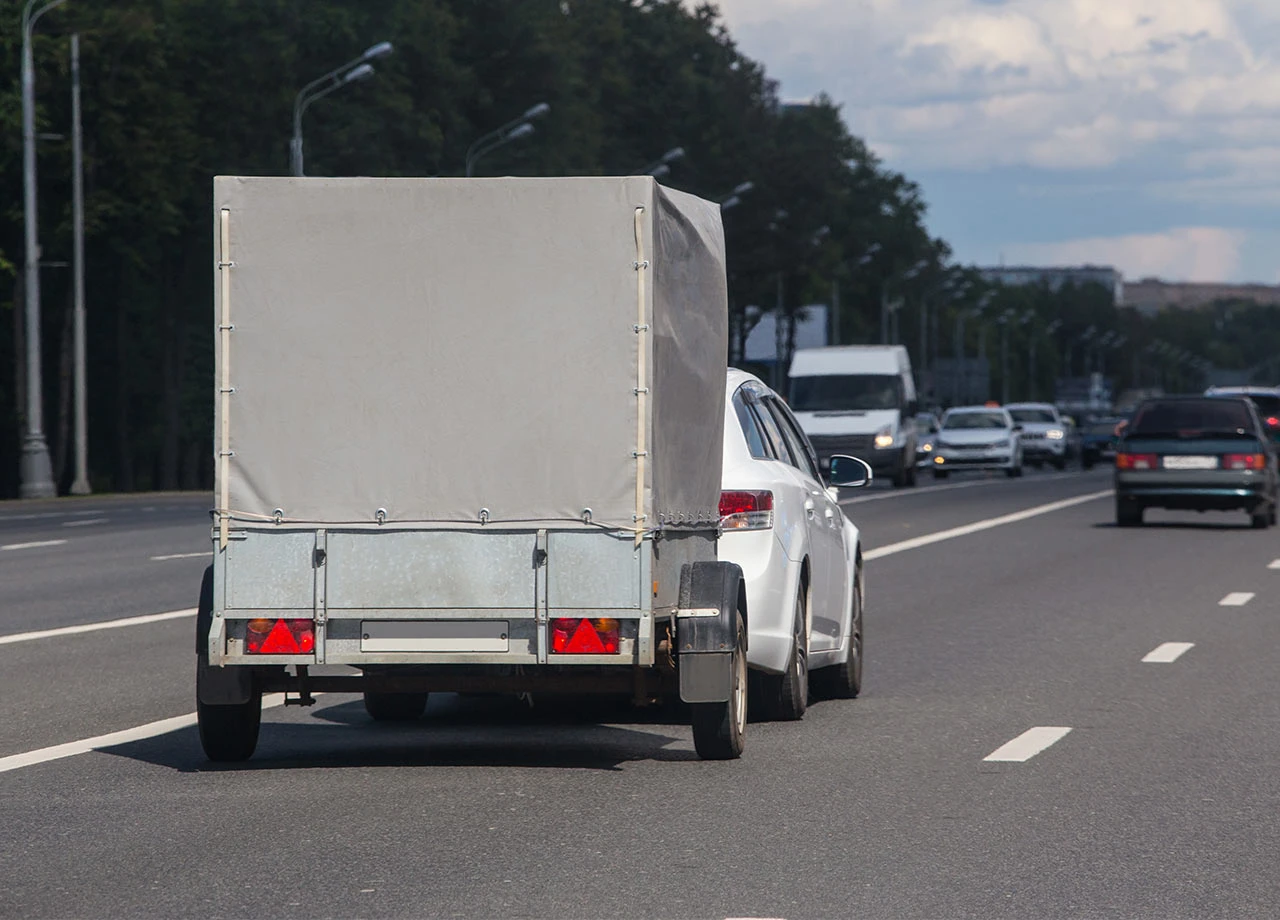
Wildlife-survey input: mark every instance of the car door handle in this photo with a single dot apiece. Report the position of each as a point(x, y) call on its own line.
point(810, 508)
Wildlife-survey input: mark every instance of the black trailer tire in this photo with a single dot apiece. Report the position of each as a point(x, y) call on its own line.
point(719, 729)
point(395, 707)
point(229, 734)
point(786, 695)
point(844, 681)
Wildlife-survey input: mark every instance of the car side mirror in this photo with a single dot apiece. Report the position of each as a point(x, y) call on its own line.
point(849, 472)
point(1017, 427)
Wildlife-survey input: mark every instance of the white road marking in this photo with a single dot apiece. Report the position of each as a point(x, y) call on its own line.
point(138, 733)
point(33, 545)
point(929, 490)
point(978, 526)
point(180, 556)
point(1167, 653)
point(1236, 599)
point(94, 627)
point(1029, 744)
point(84, 523)
point(1275, 564)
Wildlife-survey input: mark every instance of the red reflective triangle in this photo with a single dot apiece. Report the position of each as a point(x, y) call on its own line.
point(585, 640)
point(280, 641)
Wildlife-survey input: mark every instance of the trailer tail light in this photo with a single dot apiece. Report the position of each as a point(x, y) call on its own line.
point(1137, 461)
point(280, 637)
point(1244, 462)
point(746, 510)
point(574, 636)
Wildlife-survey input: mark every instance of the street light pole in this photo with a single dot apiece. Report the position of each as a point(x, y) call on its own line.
point(80, 486)
point(36, 469)
point(515, 129)
point(353, 71)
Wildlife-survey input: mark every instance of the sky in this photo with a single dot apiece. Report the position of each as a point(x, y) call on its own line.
point(1143, 134)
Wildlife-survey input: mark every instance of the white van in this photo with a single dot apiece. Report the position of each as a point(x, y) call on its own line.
point(858, 400)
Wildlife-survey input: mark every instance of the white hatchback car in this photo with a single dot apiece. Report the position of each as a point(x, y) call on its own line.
point(800, 556)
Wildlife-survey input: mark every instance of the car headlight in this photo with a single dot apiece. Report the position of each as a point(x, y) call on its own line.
point(1055, 434)
point(884, 438)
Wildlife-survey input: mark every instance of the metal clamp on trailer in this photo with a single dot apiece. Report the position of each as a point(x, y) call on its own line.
point(469, 439)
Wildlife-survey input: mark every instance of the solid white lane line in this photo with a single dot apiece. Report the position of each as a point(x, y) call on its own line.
point(1236, 599)
point(1029, 744)
point(1168, 652)
point(1275, 564)
point(138, 733)
point(84, 523)
point(33, 545)
point(94, 627)
point(978, 526)
point(180, 556)
point(929, 490)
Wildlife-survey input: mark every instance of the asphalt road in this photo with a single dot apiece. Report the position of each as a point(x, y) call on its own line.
point(995, 607)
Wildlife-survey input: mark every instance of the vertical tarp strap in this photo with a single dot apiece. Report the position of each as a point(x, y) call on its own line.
point(224, 384)
point(642, 373)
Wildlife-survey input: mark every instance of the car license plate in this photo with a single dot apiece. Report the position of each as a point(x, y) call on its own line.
point(433, 636)
point(1190, 463)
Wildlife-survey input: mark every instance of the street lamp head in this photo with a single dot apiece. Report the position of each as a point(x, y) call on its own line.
point(675, 153)
point(356, 74)
point(537, 111)
point(519, 131)
point(661, 171)
point(731, 202)
point(373, 52)
point(743, 188)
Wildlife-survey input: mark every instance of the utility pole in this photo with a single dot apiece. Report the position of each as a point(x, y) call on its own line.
point(81, 484)
point(835, 311)
point(36, 469)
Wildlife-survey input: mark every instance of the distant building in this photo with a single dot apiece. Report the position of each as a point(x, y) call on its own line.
point(1058, 277)
point(1151, 295)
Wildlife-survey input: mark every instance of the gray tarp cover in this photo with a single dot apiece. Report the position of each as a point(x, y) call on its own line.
point(434, 347)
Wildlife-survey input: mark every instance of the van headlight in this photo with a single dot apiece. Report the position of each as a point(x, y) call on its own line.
point(884, 438)
point(1055, 434)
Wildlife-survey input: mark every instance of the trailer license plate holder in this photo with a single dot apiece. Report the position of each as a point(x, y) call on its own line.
point(440, 636)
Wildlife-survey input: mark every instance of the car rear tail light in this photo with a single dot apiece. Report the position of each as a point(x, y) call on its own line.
point(574, 636)
point(280, 637)
point(1244, 462)
point(1137, 461)
point(1273, 422)
point(746, 510)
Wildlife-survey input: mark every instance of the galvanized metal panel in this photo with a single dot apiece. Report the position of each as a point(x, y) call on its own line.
point(593, 570)
point(424, 569)
point(271, 571)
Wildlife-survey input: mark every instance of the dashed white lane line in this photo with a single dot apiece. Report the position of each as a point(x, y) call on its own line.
point(1167, 653)
point(180, 556)
point(1275, 564)
point(1029, 744)
point(137, 733)
point(930, 490)
point(94, 627)
point(87, 523)
point(32, 545)
point(978, 526)
point(1236, 599)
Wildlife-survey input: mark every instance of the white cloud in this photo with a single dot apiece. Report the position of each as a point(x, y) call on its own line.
point(1182, 254)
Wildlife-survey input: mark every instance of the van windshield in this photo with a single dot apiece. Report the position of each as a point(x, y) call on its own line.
point(836, 393)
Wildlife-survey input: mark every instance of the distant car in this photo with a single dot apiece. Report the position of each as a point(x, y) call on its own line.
point(800, 555)
point(1098, 442)
point(1266, 399)
point(977, 438)
point(1196, 453)
point(927, 425)
point(1044, 434)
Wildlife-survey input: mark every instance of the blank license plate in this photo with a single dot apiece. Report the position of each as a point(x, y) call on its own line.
point(1190, 463)
point(433, 636)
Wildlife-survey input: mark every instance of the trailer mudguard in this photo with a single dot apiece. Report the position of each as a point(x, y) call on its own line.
point(216, 686)
point(711, 597)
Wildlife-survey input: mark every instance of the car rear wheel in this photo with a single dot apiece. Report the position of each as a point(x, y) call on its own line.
point(1128, 514)
point(844, 681)
point(787, 694)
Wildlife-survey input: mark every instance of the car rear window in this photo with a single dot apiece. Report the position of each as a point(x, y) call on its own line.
point(1189, 417)
point(1033, 416)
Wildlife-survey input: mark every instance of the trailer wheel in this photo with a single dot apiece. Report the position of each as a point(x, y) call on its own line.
point(229, 734)
point(719, 729)
point(395, 707)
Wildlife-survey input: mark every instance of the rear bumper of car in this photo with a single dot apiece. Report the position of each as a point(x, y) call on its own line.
point(1213, 490)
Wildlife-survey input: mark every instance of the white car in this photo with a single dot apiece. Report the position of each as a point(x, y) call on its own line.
point(1044, 433)
point(977, 438)
point(800, 556)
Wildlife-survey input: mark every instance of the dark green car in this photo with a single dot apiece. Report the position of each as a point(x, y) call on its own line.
point(1196, 453)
